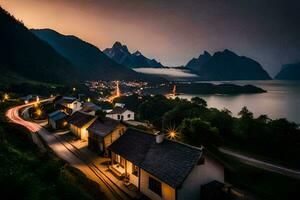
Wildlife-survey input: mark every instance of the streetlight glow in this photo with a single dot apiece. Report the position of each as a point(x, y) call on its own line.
point(38, 112)
point(6, 97)
point(172, 133)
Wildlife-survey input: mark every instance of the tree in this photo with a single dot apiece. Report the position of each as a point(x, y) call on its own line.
point(198, 132)
point(245, 114)
point(101, 115)
point(199, 101)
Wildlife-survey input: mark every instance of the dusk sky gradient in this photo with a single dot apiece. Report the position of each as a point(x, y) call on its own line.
point(174, 31)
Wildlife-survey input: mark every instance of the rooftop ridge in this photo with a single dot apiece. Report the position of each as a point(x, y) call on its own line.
point(175, 141)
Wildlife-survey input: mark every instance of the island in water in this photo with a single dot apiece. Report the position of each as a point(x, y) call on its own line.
point(204, 88)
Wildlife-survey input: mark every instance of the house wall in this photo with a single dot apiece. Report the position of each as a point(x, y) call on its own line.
point(125, 115)
point(75, 130)
point(75, 106)
point(81, 133)
point(84, 134)
point(200, 175)
point(52, 123)
point(168, 193)
point(113, 136)
point(132, 178)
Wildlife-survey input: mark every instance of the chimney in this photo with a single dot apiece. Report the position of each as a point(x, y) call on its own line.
point(159, 138)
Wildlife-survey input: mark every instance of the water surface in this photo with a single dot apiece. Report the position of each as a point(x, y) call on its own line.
point(281, 101)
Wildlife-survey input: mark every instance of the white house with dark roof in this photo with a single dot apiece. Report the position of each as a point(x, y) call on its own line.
point(121, 114)
point(69, 104)
point(162, 168)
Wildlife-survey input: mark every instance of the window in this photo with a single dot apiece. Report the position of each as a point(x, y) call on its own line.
point(128, 116)
point(135, 170)
point(155, 186)
point(119, 117)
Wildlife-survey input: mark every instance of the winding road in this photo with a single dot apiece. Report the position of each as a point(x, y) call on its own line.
point(69, 153)
point(261, 164)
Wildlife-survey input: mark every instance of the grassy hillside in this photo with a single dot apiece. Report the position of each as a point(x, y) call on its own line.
point(26, 56)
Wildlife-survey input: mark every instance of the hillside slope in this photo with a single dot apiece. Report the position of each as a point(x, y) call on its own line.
point(289, 72)
point(89, 61)
point(24, 55)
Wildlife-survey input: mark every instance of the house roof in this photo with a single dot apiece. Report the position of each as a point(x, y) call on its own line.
point(80, 119)
point(89, 106)
point(66, 100)
point(118, 110)
point(57, 115)
point(104, 127)
point(169, 161)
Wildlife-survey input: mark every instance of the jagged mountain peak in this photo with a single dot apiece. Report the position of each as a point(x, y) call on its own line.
point(121, 55)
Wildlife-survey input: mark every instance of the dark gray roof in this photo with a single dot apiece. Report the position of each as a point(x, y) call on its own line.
point(89, 106)
point(57, 115)
point(169, 161)
point(104, 127)
point(66, 100)
point(118, 110)
point(80, 119)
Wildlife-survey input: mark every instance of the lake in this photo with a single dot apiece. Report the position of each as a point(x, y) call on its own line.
point(281, 101)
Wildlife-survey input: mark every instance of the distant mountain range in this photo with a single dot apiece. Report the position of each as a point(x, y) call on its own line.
point(289, 72)
point(226, 65)
point(121, 55)
point(23, 56)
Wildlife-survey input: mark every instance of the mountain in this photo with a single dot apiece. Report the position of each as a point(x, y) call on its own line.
point(227, 65)
point(197, 63)
point(121, 55)
point(289, 72)
point(25, 57)
point(88, 60)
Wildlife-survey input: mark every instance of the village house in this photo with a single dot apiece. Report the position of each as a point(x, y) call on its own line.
point(57, 120)
point(90, 108)
point(69, 104)
point(104, 132)
point(79, 122)
point(162, 168)
point(121, 114)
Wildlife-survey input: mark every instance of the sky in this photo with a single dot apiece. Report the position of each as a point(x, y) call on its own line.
point(174, 31)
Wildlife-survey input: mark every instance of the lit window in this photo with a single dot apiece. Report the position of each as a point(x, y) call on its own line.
point(135, 170)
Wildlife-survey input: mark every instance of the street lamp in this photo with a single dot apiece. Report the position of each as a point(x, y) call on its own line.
point(38, 112)
point(6, 97)
point(172, 133)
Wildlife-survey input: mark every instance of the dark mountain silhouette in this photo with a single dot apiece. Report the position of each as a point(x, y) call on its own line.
point(25, 57)
point(227, 65)
point(89, 61)
point(196, 63)
point(289, 72)
point(120, 54)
